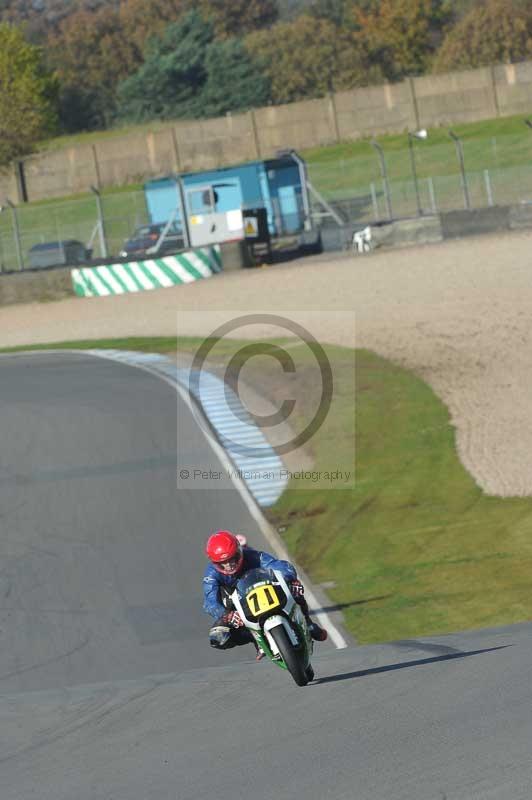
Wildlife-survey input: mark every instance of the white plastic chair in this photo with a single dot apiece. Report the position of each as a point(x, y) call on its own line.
point(362, 240)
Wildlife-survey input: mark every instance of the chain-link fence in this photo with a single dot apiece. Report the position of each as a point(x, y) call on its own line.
point(89, 227)
point(401, 178)
point(420, 178)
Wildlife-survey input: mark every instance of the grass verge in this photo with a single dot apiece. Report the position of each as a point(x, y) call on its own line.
point(155, 344)
point(415, 548)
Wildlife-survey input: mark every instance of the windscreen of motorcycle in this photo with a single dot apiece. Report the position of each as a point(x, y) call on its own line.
point(260, 593)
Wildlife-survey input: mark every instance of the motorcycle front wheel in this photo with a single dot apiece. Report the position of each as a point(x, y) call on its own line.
point(290, 656)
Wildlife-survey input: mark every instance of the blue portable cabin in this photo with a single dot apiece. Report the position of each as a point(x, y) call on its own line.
point(278, 184)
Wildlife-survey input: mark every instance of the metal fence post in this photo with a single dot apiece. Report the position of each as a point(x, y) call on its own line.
point(374, 200)
point(460, 154)
point(184, 211)
point(59, 237)
point(101, 223)
point(432, 195)
point(487, 182)
point(414, 173)
point(16, 234)
point(384, 174)
point(303, 178)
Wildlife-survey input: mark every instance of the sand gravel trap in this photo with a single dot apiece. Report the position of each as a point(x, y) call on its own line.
point(458, 313)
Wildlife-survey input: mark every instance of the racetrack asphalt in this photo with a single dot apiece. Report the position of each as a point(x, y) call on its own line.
point(108, 689)
point(101, 557)
point(446, 718)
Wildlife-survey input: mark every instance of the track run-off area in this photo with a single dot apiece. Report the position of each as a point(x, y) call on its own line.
point(108, 689)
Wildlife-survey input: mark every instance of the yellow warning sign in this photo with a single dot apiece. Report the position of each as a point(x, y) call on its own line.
point(252, 227)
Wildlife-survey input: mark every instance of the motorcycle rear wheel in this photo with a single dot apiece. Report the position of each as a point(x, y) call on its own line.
point(290, 656)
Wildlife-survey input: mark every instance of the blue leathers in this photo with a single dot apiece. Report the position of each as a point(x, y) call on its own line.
point(253, 559)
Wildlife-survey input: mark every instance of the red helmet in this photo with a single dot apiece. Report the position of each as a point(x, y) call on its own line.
point(225, 552)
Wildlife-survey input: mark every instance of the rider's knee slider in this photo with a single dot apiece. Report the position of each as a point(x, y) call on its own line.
point(219, 636)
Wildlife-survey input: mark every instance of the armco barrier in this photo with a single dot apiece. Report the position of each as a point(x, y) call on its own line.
point(140, 276)
point(520, 216)
point(36, 286)
point(455, 224)
point(449, 225)
point(407, 232)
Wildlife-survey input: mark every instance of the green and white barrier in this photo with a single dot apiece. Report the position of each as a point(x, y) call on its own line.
point(140, 276)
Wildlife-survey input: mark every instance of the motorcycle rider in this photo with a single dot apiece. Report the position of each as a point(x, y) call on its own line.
point(229, 560)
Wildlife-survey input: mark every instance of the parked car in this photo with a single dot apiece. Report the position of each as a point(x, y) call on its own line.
point(147, 236)
point(55, 254)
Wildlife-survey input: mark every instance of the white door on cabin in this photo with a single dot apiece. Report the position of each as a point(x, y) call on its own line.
point(207, 223)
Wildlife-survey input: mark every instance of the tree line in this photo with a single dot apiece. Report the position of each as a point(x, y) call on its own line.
point(140, 60)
